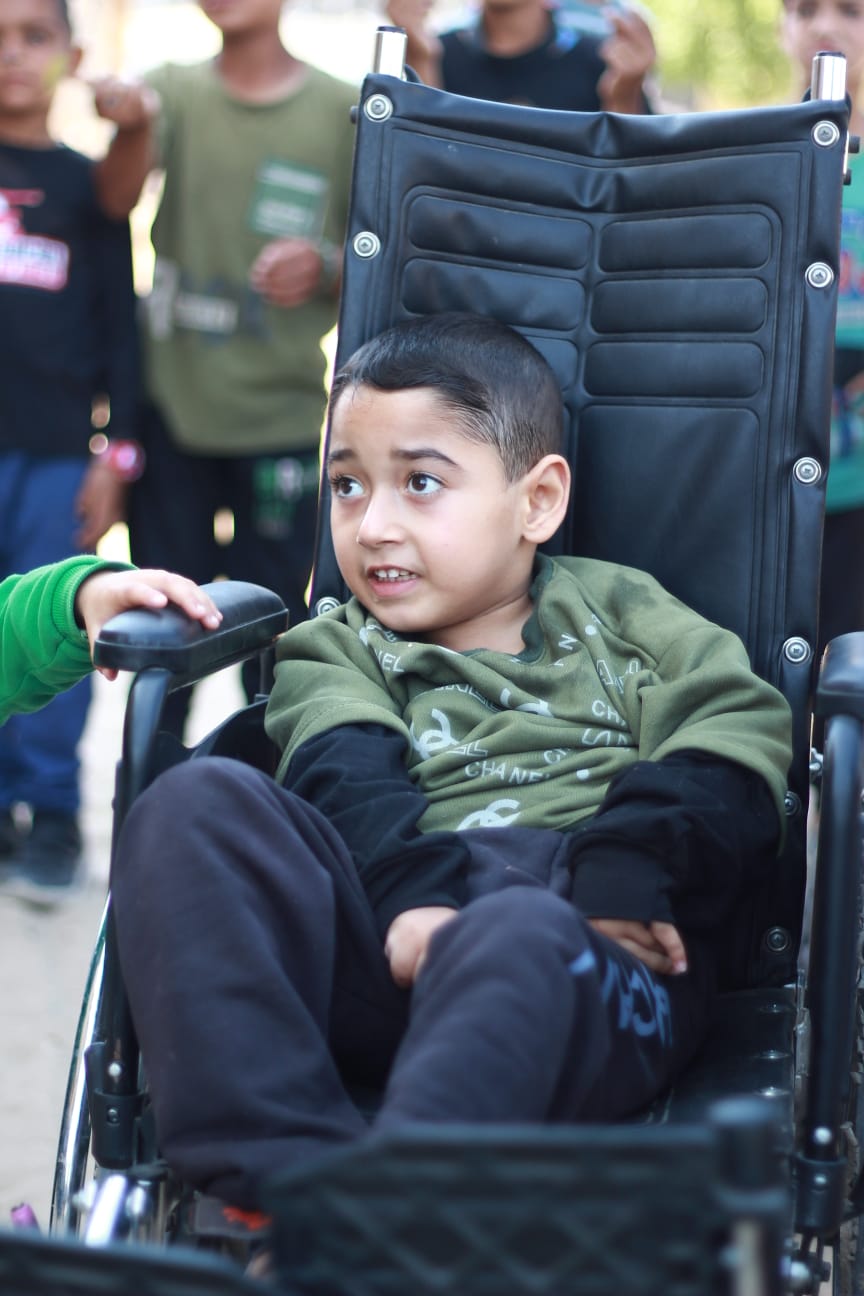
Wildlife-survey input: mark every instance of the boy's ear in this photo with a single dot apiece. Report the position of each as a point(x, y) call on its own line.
point(546, 495)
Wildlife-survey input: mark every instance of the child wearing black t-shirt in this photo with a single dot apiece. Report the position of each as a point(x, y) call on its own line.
point(524, 54)
point(68, 327)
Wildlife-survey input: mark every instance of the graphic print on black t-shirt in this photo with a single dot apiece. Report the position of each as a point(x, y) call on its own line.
point(29, 259)
point(67, 305)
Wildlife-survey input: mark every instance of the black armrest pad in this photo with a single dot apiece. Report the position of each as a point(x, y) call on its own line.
point(840, 690)
point(252, 617)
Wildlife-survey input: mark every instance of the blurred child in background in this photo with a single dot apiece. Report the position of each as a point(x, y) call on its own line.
point(68, 326)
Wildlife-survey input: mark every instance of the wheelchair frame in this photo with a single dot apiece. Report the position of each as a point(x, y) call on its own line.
point(787, 1174)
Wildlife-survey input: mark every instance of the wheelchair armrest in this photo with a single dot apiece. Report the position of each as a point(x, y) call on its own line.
point(840, 690)
point(168, 639)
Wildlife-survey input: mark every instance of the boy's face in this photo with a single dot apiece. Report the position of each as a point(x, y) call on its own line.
point(237, 17)
point(36, 52)
point(810, 26)
point(428, 533)
point(509, 6)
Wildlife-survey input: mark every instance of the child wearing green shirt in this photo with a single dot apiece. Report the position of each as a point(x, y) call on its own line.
point(517, 801)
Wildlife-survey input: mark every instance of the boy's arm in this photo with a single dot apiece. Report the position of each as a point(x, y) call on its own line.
point(99, 503)
point(131, 156)
point(674, 841)
point(629, 53)
point(101, 499)
point(356, 776)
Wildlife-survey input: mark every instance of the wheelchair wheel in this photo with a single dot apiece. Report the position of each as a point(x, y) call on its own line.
point(847, 1271)
point(74, 1164)
point(142, 1204)
point(97, 1205)
point(848, 1266)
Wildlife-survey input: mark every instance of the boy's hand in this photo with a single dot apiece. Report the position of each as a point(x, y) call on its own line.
point(287, 272)
point(106, 593)
point(412, 15)
point(423, 53)
point(100, 502)
point(629, 54)
point(408, 939)
point(657, 944)
point(131, 105)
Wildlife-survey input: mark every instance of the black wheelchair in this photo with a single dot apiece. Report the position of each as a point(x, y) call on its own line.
point(679, 274)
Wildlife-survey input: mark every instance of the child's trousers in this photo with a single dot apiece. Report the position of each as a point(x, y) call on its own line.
point(39, 761)
point(258, 983)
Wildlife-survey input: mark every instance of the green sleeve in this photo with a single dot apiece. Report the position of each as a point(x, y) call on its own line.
point(689, 685)
point(703, 696)
point(42, 648)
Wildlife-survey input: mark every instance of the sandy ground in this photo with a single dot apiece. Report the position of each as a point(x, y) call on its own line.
point(45, 957)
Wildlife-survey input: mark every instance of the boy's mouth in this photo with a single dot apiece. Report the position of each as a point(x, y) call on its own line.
point(390, 573)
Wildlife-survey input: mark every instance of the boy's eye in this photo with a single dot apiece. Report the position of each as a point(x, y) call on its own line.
point(345, 487)
point(36, 36)
point(421, 483)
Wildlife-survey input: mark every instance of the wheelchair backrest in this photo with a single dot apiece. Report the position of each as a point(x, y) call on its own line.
point(678, 273)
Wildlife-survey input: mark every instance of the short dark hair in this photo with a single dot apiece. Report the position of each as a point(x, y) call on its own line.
point(63, 12)
point(497, 384)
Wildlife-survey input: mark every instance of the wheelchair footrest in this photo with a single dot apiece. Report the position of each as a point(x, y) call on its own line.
point(507, 1209)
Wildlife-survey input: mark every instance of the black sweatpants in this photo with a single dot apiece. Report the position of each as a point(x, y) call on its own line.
point(258, 982)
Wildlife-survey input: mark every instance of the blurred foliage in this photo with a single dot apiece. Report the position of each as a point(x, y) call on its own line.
point(721, 53)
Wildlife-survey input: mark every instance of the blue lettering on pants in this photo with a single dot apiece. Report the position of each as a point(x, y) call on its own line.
point(643, 1004)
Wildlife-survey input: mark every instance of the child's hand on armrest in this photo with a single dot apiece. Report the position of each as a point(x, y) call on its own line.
point(107, 593)
point(657, 944)
point(408, 939)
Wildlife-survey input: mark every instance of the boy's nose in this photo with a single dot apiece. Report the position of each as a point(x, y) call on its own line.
point(379, 523)
point(825, 31)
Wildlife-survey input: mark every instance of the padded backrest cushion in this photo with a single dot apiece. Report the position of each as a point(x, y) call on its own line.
point(677, 273)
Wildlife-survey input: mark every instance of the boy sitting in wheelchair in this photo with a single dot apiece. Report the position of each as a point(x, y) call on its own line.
point(363, 919)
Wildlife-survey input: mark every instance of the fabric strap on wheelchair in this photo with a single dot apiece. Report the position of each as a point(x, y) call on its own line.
point(678, 274)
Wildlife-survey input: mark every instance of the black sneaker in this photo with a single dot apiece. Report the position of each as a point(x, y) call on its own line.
point(11, 841)
point(47, 864)
point(10, 835)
